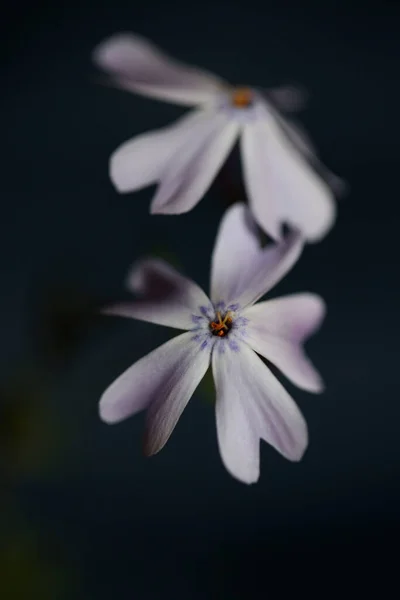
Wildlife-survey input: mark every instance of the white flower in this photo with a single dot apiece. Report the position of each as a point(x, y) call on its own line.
point(227, 331)
point(185, 157)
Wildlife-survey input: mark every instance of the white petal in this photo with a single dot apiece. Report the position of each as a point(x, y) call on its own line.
point(181, 376)
point(165, 297)
point(265, 207)
point(163, 381)
point(302, 142)
point(272, 265)
point(281, 185)
point(277, 329)
point(138, 65)
point(236, 248)
point(252, 405)
point(140, 161)
point(241, 273)
point(298, 136)
point(192, 168)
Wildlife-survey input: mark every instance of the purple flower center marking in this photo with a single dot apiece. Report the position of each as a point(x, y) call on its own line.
point(219, 323)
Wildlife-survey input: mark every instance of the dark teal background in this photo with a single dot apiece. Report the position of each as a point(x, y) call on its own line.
point(84, 514)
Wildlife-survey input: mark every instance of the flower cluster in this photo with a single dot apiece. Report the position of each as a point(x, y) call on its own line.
point(229, 330)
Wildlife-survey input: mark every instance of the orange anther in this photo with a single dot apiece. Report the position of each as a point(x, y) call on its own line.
point(222, 326)
point(242, 97)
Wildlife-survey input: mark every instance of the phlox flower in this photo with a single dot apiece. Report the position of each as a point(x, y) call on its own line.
point(184, 158)
point(228, 330)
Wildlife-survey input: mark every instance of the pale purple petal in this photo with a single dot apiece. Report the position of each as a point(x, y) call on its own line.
point(287, 98)
point(165, 297)
point(137, 65)
point(272, 265)
point(236, 248)
point(276, 329)
point(297, 135)
point(302, 142)
point(266, 206)
point(252, 405)
point(140, 161)
point(193, 166)
point(179, 377)
point(282, 187)
point(163, 381)
point(241, 273)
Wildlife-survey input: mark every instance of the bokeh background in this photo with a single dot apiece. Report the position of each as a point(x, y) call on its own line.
point(83, 514)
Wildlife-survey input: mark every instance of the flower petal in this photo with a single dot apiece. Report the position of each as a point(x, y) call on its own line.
point(302, 142)
point(165, 296)
point(241, 273)
point(277, 328)
point(163, 381)
point(236, 248)
point(138, 65)
point(282, 187)
point(252, 405)
point(192, 168)
point(180, 377)
point(140, 161)
point(297, 135)
point(287, 98)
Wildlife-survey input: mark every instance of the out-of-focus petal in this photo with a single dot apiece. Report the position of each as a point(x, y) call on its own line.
point(163, 381)
point(137, 65)
point(165, 297)
point(252, 405)
point(140, 161)
point(281, 185)
point(288, 98)
point(277, 328)
point(242, 271)
point(266, 207)
point(298, 136)
point(302, 142)
point(192, 168)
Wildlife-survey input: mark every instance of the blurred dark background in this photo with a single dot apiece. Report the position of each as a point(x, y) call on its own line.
point(83, 514)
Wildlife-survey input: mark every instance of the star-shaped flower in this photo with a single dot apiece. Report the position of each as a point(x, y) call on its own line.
point(228, 331)
point(185, 158)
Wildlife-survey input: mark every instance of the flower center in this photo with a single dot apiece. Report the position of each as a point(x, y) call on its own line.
point(242, 97)
point(221, 326)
